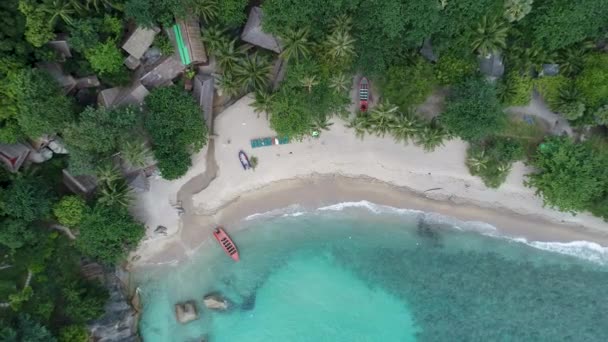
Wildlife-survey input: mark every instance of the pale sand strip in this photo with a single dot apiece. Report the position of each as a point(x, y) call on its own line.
point(401, 177)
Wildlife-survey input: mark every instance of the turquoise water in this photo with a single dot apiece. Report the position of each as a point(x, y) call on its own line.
point(360, 272)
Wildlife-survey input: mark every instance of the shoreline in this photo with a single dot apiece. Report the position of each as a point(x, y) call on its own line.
point(337, 167)
point(319, 190)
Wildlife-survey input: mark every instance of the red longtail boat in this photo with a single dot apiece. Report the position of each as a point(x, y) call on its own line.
point(226, 243)
point(363, 94)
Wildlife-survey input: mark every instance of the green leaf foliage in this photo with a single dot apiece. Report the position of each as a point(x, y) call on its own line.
point(150, 13)
point(515, 89)
point(74, 333)
point(41, 106)
point(492, 159)
point(231, 13)
point(15, 234)
point(554, 24)
point(452, 68)
point(473, 111)
point(108, 233)
point(592, 82)
point(26, 199)
point(570, 176)
point(70, 210)
point(105, 58)
point(84, 302)
point(550, 88)
point(174, 121)
point(409, 85)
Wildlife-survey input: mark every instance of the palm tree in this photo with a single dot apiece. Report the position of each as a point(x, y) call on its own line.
point(340, 83)
point(262, 102)
point(108, 173)
point(229, 56)
point(136, 153)
point(478, 161)
point(253, 72)
point(206, 9)
point(489, 36)
point(515, 10)
point(320, 123)
point(383, 117)
point(101, 5)
point(340, 45)
point(431, 136)
point(309, 81)
point(116, 193)
point(405, 127)
point(295, 44)
point(227, 85)
point(63, 9)
point(530, 59)
point(343, 23)
point(361, 124)
point(571, 59)
point(214, 38)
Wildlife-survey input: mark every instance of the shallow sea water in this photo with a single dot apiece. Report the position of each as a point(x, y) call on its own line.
point(362, 272)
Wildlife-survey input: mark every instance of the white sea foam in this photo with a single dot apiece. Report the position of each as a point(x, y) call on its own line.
point(581, 249)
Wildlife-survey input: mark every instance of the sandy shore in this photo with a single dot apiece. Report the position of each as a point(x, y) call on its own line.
point(338, 167)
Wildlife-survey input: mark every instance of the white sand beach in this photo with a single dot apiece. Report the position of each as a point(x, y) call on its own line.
point(333, 168)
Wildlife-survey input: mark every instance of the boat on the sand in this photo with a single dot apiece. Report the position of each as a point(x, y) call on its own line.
point(226, 243)
point(363, 94)
point(244, 160)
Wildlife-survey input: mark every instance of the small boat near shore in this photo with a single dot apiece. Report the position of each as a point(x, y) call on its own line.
point(363, 94)
point(226, 243)
point(244, 160)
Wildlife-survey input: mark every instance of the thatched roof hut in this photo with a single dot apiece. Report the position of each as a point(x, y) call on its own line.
point(204, 93)
point(187, 34)
point(14, 155)
point(253, 33)
point(139, 41)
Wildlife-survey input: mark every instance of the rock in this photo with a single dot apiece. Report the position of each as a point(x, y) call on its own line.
point(249, 302)
point(186, 312)
point(215, 301)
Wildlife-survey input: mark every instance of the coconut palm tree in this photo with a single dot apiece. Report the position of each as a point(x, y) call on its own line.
point(431, 136)
point(59, 9)
point(343, 23)
point(117, 193)
point(295, 44)
point(340, 45)
point(489, 36)
point(108, 173)
point(253, 72)
point(136, 153)
point(262, 102)
point(340, 83)
point(515, 10)
point(529, 59)
point(361, 124)
point(229, 55)
point(320, 123)
point(383, 117)
point(101, 5)
point(478, 161)
point(571, 59)
point(227, 84)
point(206, 9)
point(405, 127)
point(309, 81)
point(214, 38)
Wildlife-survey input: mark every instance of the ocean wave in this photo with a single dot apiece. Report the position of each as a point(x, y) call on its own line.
point(581, 249)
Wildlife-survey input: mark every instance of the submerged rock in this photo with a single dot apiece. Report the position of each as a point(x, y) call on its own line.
point(248, 302)
point(186, 312)
point(215, 301)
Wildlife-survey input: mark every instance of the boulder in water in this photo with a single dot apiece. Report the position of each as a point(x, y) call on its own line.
point(215, 301)
point(249, 302)
point(186, 312)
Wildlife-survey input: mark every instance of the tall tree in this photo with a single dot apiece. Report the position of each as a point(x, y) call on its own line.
point(296, 44)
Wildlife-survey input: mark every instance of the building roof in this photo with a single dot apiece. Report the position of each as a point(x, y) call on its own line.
point(203, 93)
point(13, 155)
point(427, 51)
point(138, 181)
point(190, 46)
point(550, 70)
point(278, 72)
point(492, 66)
point(116, 97)
point(162, 72)
point(62, 47)
point(66, 81)
point(87, 82)
point(139, 41)
point(253, 33)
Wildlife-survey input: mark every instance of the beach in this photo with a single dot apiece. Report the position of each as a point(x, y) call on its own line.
point(337, 167)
